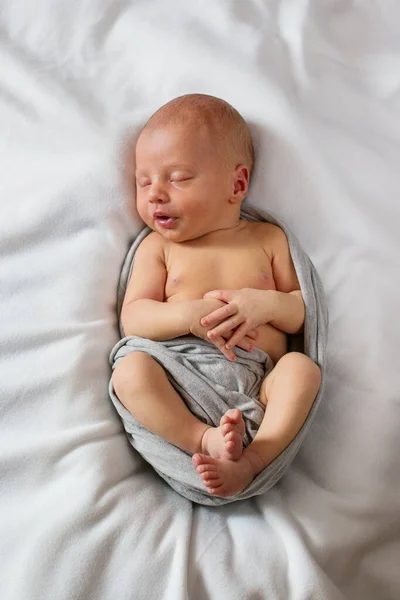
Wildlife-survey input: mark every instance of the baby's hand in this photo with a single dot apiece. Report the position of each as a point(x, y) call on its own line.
point(200, 308)
point(243, 311)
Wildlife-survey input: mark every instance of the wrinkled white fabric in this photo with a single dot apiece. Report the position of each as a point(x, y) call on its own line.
point(81, 516)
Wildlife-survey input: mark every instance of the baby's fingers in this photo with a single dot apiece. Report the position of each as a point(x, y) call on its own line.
point(238, 336)
point(245, 344)
point(218, 315)
point(220, 343)
point(252, 334)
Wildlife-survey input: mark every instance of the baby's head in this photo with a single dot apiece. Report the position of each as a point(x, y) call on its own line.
point(194, 158)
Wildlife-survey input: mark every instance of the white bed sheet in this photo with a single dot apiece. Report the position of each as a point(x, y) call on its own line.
point(81, 516)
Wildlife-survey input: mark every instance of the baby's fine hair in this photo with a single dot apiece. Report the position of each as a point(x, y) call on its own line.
point(220, 118)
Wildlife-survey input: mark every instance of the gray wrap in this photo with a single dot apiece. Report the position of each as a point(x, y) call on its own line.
point(209, 384)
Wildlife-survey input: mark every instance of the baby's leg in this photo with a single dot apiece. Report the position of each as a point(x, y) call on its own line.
point(142, 386)
point(288, 393)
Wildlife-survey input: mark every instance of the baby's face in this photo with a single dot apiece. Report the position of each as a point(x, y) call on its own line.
point(182, 185)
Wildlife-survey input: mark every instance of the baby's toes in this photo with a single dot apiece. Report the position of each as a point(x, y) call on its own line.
point(200, 461)
point(227, 428)
point(233, 445)
point(224, 420)
point(204, 463)
point(210, 478)
point(232, 415)
point(231, 437)
point(214, 489)
point(206, 470)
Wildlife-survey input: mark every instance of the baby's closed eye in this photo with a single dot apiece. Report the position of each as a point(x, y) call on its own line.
point(180, 177)
point(142, 182)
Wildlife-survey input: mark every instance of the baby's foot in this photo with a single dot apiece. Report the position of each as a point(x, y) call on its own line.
point(225, 441)
point(224, 477)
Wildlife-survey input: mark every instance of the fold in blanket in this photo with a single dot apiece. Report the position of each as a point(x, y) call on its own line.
point(210, 385)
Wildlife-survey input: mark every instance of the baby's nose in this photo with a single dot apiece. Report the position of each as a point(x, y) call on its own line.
point(157, 194)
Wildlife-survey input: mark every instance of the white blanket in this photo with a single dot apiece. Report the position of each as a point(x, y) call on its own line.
point(81, 516)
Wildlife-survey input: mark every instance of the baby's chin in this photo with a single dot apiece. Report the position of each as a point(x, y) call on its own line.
point(174, 234)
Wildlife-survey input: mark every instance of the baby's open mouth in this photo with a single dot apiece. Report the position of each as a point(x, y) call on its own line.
point(165, 220)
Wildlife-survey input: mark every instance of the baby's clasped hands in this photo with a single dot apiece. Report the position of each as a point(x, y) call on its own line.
point(244, 310)
point(198, 309)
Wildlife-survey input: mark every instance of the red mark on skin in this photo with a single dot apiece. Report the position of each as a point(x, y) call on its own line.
point(269, 281)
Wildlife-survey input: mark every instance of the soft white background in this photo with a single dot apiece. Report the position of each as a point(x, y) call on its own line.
point(81, 517)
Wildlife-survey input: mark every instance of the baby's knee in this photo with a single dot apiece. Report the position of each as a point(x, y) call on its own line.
point(296, 361)
point(131, 372)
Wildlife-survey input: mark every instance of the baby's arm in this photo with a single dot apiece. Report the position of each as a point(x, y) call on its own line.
point(288, 307)
point(144, 312)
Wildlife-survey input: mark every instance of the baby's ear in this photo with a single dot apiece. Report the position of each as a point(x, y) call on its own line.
point(241, 178)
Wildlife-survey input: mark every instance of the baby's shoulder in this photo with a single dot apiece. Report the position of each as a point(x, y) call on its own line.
point(153, 239)
point(271, 238)
point(153, 243)
point(268, 232)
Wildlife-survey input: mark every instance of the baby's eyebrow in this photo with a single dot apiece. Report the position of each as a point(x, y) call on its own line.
point(182, 166)
point(171, 167)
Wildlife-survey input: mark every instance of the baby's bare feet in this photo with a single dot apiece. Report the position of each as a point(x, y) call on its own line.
point(222, 477)
point(225, 441)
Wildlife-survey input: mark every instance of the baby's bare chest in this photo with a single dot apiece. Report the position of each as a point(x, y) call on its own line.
point(192, 270)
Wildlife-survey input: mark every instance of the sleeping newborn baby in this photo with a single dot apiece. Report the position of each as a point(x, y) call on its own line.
point(206, 273)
